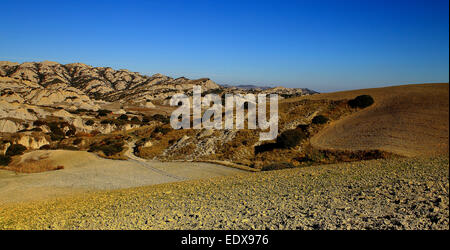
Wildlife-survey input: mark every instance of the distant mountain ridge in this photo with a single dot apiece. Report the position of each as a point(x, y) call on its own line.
point(251, 86)
point(77, 85)
point(102, 83)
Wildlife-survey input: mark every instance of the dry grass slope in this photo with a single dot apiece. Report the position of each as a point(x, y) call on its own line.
point(409, 120)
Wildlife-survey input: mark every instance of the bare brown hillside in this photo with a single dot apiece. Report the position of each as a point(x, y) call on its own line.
point(409, 120)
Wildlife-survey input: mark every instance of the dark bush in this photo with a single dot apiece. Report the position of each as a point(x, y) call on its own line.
point(265, 147)
point(361, 101)
point(109, 147)
point(77, 141)
point(39, 123)
point(89, 122)
point(106, 121)
point(103, 112)
point(303, 127)
point(113, 121)
point(135, 119)
point(45, 147)
point(123, 117)
point(277, 166)
point(291, 138)
point(320, 119)
point(70, 132)
point(161, 118)
point(112, 149)
point(108, 150)
point(56, 134)
point(15, 149)
point(162, 130)
point(4, 160)
point(145, 119)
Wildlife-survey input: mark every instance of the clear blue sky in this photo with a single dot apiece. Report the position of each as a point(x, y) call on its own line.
point(323, 45)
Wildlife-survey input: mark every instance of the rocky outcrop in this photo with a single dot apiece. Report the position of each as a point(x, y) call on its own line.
point(50, 83)
point(31, 141)
point(10, 126)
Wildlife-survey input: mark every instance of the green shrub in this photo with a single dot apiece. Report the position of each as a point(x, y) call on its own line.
point(265, 147)
point(45, 147)
point(277, 166)
point(57, 134)
point(106, 121)
point(291, 138)
point(89, 122)
point(103, 112)
point(15, 149)
point(123, 117)
point(361, 101)
point(162, 130)
point(70, 132)
point(109, 147)
point(77, 141)
point(145, 119)
point(135, 119)
point(161, 118)
point(39, 123)
point(4, 160)
point(319, 119)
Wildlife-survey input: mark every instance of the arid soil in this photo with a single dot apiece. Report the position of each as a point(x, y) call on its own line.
point(408, 120)
point(409, 193)
point(86, 172)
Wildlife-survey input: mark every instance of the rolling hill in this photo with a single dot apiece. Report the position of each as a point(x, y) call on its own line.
point(409, 120)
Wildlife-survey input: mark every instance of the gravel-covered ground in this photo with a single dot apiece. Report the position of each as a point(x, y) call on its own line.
point(381, 194)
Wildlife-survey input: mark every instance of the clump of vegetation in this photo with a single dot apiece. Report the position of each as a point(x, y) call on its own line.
point(103, 112)
point(123, 117)
point(45, 147)
point(135, 119)
point(70, 132)
point(265, 147)
point(15, 149)
point(56, 132)
point(109, 147)
point(277, 166)
point(89, 122)
point(39, 123)
point(79, 111)
point(77, 141)
point(303, 127)
point(319, 156)
point(291, 138)
point(319, 119)
point(361, 101)
point(161, 118)
point(162, 130)
point(145, 119)
point(4, 160)
point(116, 122)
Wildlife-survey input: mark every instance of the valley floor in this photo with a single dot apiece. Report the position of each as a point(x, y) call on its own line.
point(408, 193)
point(87, 172)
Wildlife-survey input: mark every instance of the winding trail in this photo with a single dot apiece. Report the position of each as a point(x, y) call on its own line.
point(147, 163)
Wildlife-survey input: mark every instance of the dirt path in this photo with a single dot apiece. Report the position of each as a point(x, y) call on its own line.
point(86, 172)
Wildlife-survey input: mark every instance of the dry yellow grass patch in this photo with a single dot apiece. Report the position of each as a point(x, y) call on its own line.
point(33, 165)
